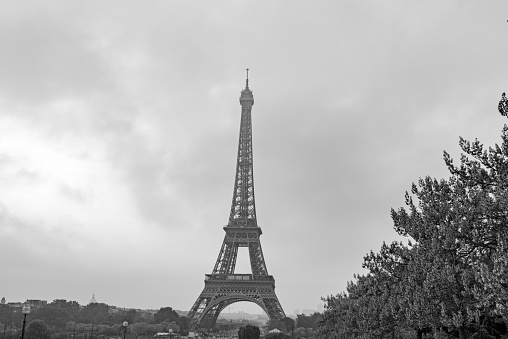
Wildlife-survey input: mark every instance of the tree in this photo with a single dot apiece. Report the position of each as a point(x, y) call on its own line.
point(165, 313)
point(5, 314)
point(94, 312)
point(167, 326)
point(183, 322)
point(303, 333)
point(276, 324)
point(72, 307)
point(289, 323)
point(249, 332)
point(485, 172)
point(62, 303)
point(278, 335)
point(37, 329)
point(52, 316)
point(451, 278)
point(339, 319)
point(308, 321)
point(139, 328)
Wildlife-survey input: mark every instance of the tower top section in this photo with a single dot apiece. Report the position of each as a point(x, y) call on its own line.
point(246, 98)
point(243, 207)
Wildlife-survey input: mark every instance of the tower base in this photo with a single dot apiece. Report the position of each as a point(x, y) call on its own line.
point(223, 290)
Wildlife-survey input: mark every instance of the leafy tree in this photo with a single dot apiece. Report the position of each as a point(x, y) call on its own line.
point(303, 333)
point(183, 322)
point(288, 323)
point(109, 330)
point(451, 278)
point(37, 329)
point(5, 314)
point(307, 321)
point(485, 174)
point(165, 313)
point(276, 324)
point(71, 307)
point(156, 328)
point(278, 335)
point(139, 328)
point(131, 316)
point(52, 316)
point(94, 312)
point(339, 319)
point(249, 332)
point(170, 326)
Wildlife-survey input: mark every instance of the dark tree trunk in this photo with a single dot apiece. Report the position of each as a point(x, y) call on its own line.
point(419, 334)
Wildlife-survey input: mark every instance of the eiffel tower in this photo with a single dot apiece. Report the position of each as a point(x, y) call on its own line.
point(223, 287)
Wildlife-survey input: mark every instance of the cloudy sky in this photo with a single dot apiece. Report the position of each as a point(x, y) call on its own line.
point(119, 125)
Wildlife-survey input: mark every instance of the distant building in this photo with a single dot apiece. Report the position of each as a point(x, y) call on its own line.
point(35, 303)
point(2, 302)
point(262, 318)
point(93, 301)
point(238, 316)
point(15, 306)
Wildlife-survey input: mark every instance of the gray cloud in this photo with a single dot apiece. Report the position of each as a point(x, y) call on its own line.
point(353, 102)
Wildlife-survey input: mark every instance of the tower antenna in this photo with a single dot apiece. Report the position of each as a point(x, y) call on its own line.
point(247, 81)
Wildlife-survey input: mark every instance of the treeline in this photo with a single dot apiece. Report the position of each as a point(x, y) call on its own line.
point(451, 278)
point(64, 318)
point(303, 326)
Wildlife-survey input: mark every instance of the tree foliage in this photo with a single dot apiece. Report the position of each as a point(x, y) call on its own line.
point(249, 332)
point(307, 321)
point(94, 312)
point(277, 324)
point(66, 318)
point(5, 314)
point(52, 316)
point(165, 313)
point(37, 329)
point(279, 335)
point(451, 278)
point(289, 323)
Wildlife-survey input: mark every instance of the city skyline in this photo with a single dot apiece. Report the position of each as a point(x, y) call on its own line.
point(119, 127)
point(229, 310)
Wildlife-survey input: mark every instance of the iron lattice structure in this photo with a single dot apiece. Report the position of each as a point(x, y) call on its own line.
point(223, 287)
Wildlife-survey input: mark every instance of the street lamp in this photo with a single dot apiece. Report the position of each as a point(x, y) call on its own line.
point(25, 310)
point(125, 323)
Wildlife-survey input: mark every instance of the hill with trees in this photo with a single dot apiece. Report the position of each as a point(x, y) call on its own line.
point(64, 319)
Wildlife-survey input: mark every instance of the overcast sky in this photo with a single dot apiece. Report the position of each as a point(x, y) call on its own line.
point(119, 125)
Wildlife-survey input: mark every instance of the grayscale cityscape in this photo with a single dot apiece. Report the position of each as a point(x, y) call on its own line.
point(131, 133)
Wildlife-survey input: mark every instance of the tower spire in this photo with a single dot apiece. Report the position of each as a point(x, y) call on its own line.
point(243, 206)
